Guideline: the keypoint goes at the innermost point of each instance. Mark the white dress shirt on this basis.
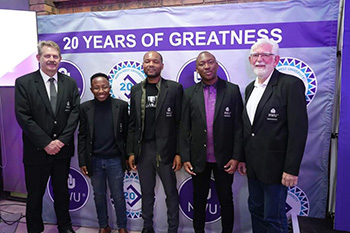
(255, 97)
(47, 82)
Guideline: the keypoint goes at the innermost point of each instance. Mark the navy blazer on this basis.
(39, 124)
(275, 142)
(86, 130)
(227, 127)
(168, 113)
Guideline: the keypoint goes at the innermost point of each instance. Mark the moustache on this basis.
(51, 63)
(259, 63)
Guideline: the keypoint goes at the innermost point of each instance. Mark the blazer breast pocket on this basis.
(169, 110)
(275, 113)
(67, 106)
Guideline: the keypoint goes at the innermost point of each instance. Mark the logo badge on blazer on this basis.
(300, 69)
(123, 76)
(272, 115)
(71, 69)
(227, 112)
(78, 188)
(213, 212)
(132, 194)
(67, 107)
(297, 202)
(188, 75)
(169, 112)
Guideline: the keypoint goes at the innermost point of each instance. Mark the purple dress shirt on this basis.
(209, 101)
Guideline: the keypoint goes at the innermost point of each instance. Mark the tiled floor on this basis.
(13, 210)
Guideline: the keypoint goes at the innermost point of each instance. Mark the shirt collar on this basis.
(264, 84)
(144, 83)
(46, 77)
(213, 85)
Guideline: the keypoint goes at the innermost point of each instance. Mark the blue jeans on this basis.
(111, 170)
(267, 206)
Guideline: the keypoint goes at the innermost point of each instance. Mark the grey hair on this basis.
(275, 47)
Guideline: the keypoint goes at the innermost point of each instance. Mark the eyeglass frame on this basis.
(264, 56)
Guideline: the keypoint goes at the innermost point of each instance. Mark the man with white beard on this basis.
(275, 130)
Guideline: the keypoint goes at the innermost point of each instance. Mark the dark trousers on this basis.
(223, 185)
(147, 168)
(267, 206)
(36, 177)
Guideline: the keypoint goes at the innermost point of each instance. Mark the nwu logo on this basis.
(123, 76)
(303, 71)
(78, 189)
(71, 182)
(132, 194)
(213, 211)
(169, 112)
(227, 112)
(69, 68)
(272, 115)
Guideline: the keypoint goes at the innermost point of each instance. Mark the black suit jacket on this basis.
(275, 142)
(39, 124)
(227, 127)
(86, 130)
(168, 113)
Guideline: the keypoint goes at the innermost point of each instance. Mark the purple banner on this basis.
(288, 35)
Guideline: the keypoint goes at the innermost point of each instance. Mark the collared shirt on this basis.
(47, 82)
(255, 97)
(209, 101)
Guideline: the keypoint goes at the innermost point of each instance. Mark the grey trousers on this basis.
(147, 168)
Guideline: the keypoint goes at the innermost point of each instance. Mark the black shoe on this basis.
(147, 230)
(68, 230)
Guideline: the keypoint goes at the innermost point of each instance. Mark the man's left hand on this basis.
(231, 166)
(289, 180)
(177, 163)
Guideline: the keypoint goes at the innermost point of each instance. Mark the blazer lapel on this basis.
(115, 114)
(162, 94)
(91, 114)
(267, 94)
(60, 93)
(249, 91)
(138, 96)
(43, 93)
(220, 93)
(199, 96)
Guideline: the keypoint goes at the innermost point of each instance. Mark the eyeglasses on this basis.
(264, 56)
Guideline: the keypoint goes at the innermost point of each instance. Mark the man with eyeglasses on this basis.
(275, 131)
(101, 149)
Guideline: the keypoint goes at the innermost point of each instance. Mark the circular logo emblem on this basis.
(132, 194)
(123, 76)
(78, 188)
(69, 68)
(213, 212)
(188, 75)
(300, 69)
(297, 202)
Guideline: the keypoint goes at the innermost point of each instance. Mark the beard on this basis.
(263, 72)
(154, 75)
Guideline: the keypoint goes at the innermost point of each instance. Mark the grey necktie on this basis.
(53, 94)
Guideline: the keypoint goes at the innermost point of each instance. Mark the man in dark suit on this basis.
(47, 109)
(155, 110)
(211, 139)
(275, 130)
(102, 149)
